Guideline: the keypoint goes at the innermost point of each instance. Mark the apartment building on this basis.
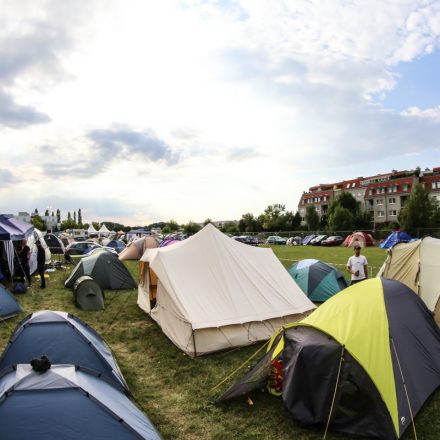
(383, 195)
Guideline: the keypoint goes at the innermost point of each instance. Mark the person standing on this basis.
(357, 266)
(41, 260)
(24, 257)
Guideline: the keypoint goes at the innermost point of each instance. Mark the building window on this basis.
(370, 192)
(353, 184)
(392, 200)
(393, 212)
(395, 188)
(381, 213)
(405, 187)
(379, 201)
(348, 185)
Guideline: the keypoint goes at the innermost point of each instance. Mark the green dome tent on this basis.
(87, 294)
(106, 269)
(318, 280)
(363, 363)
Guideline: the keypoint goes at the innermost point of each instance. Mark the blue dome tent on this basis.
(64, 339)
(8, 304)
(69, 403)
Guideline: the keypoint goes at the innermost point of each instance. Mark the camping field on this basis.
(175, 390)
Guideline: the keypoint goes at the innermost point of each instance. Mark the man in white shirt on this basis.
(357, 266)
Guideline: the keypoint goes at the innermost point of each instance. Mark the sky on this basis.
(142, 111)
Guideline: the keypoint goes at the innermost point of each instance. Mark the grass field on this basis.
(173, 389)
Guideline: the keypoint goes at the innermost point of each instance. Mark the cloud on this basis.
(17, 116)
(120, 143)
(241, 154)
(6, 177)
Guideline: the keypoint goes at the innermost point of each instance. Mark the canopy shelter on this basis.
(318, 280)
(210, 292)
(8, 304)
(394, 238)
(417, 264)
(103, 230)
(12, 229)
(64, 339)
(105, 268)
(359, 238)
(69, 403)
(137, 248)
(91, 230)
(373, 349)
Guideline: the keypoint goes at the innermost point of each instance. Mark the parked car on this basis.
(334, 240)
(276, 239)
(247, 239)
(81, 247)
(317, 240)
(117, 245)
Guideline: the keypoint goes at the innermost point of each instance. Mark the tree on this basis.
(67, 224)
(273, 218)
(69, 217)
(191, 228)
(311, 218)
(296, 221)
(248, 223)
(38, 222)
(208, 220)
(419, 211)
(79, 217)
(36, 211)
(46, 213)
(341, 219)
(74, 217)
(58, 216)
(173, 225)
(345, 200)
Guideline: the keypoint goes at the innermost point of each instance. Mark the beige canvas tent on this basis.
(137, 247)
(417, 265)
(211, 292)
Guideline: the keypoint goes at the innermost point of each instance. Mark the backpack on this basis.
(19, 288)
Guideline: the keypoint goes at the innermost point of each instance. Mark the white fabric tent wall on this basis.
(214, 292)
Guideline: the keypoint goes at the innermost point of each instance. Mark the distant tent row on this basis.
(81, 395)
(373, 350)
(210, 292)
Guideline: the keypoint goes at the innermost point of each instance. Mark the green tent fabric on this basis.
(318, 280)
(87, 294)
(106, 269)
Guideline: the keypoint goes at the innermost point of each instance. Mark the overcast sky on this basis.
(141, 111)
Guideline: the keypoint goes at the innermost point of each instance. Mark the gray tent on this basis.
(87, 294)
(105, 269)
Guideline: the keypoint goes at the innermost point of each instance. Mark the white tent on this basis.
(103, 229)
(211, 292)
(91, 230)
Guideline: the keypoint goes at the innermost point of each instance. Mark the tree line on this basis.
(420, 212)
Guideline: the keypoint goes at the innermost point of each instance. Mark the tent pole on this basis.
(406, 390)
(334, 392)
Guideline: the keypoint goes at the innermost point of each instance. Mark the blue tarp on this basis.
(394, 238)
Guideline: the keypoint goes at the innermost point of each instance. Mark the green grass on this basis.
(173, 389)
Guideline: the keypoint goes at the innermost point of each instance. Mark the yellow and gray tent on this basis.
(417, 265)
(369, 357)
